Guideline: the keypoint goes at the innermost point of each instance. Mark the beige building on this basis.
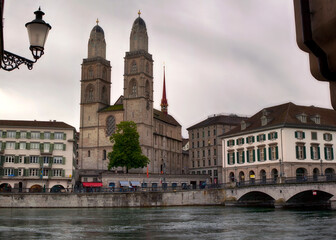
(160, 133)
(36, 155)
(287, 141)
(205, 147)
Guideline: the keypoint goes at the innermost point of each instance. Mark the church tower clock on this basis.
(138, 85)
(95, 95)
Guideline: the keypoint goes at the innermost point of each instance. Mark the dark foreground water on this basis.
(167, 223)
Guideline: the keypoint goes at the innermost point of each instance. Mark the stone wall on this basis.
(137, 199)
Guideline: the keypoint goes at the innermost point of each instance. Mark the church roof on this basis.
(35, 124)
(139, 22)
(116, 107)
(165, 117)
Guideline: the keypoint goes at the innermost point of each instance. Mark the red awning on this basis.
(92, 184)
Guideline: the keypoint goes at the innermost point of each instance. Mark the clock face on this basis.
(110, 125)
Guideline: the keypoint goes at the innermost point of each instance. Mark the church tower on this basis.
(164, 101)
(138, 86)
(95, 95)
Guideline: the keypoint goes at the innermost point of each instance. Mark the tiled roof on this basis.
(165, 118)
(287, 115)
(231, 119)
(35, 124)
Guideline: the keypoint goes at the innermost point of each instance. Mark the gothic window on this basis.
(133, 67)
(133, 88)
(90, 73)
(89, 93)
(110, 125)
(147, 89)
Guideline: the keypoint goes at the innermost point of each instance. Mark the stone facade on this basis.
(160, 134)
(37, 155)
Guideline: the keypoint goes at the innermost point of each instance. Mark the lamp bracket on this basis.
(11, 61)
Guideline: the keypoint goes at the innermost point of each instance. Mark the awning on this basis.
(124, 183)
(135, 184)
(92, 184)
(111, 184)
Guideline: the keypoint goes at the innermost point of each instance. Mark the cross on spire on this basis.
(139, 13)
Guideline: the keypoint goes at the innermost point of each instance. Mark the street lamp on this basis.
(37, 31)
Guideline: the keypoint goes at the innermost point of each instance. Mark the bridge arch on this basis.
(309, 198)
(256, 198)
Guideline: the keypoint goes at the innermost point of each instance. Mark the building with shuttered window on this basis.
(36, 155)
(286, 140)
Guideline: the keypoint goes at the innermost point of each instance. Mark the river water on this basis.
(167, 223)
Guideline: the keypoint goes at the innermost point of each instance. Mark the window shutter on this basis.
(4, 134)
(243, 156)
(3, 145)
(233, 142)
(41, 160)
(63, 173)
(237, 141)
(303, 135)
(275, 135)
(325, 153)
(25, 172)
(253, 155)
(227, 143)
(247, 156)
(28, 146)
(51, 147)
(257, 138)
(26, 160)
(318, 152)
(253, 139)
(42, 135)
(332, 153)
(304, 152)
(297, 151)
(243, 140)
(233, 157)
(17, 134)
(269, 136)
(247, 140)
(28, 135)
(311, 152)
(63, 161)
(276, 152)
(269, 153)
(265, 154)
(228, 159)
(1, 171)
(64, 136)
(258, 154)
(238, 157)
(16, 172)
(296, 134)
(16, 160)
(16, 145)
(41, 146)
(51, 135)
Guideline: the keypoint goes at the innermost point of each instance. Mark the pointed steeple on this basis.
(164, 102)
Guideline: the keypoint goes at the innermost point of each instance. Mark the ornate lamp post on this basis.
(37, 31)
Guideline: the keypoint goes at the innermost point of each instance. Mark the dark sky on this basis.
(221, 56)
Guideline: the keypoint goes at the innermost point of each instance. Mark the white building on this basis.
(288, 140)
(36, 155)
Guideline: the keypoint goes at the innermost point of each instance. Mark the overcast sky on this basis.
(221, 56)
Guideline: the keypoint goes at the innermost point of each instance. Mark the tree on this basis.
(126, 151)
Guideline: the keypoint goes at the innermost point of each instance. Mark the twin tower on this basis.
(98, 118)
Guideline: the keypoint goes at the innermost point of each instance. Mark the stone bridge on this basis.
(304, 194)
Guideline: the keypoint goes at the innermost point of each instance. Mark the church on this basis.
(160, 133)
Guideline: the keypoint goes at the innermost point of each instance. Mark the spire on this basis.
(164, 102)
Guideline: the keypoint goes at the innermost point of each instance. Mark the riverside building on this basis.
(284, 141)
(36, 155)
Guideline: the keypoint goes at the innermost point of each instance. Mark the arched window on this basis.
(134, 67)
(90, 72)
(89, 93)
(104, 154)
(110, 125)
(89, 153)
(133, 88)
(147, 89)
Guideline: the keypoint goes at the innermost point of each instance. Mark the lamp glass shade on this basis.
(38, 33)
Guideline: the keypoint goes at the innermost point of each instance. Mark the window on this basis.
(241, 156)
(9, 171)
(134, 67)
(45, 172)
(33, 159)
(328, 152)
(215, 151)
(231, 158)
(58, 135)
(203, 133)
(193, 154)
(261, 152)
(272, 136)
(198, 135)
(198, 144)
(209, 162)
(198, 163)
(193, 145)
(47, 135)
(193, 164)
(192, 136)
(250, 139)
(58, 160)
(314, 135)
(209, 152)
(20, 172)
(327, 137)
(34, 145)
(203, 153)
(250, 154)
(300, 152)
(9, 159)
(210, 172)
(33, 172)
(230, 143)
(215, 173)
(240, 141)
(22, 145)
(198, 154)
(315, 152)
(104, 154)
(214, 132)
(299, 135)
(316, 119)
(110, 125)
(46, 147)
(203, 143)
(264, 121)
(261, 137)
(302, 117)
(208, 133)
(11, 134)
(46, 160)
(57, 172)
(203, 163)
(23, 134)
(10, 145)
(89, 153)
(215, 141)
(273, 152)
(215, 161)
(35, 135)
(21, 159)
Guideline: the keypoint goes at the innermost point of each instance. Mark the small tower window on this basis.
(104, 154)
(90, 72)
(90, 94)
(133, 88)
(134, 67)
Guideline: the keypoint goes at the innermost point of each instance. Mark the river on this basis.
(167, 223)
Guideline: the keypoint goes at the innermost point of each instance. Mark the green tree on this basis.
(126, 151)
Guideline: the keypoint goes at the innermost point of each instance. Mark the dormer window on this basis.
(316, 119)
(243, 125)
(302, 117)
(263, 121)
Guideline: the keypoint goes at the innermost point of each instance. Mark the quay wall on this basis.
(127, 199)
